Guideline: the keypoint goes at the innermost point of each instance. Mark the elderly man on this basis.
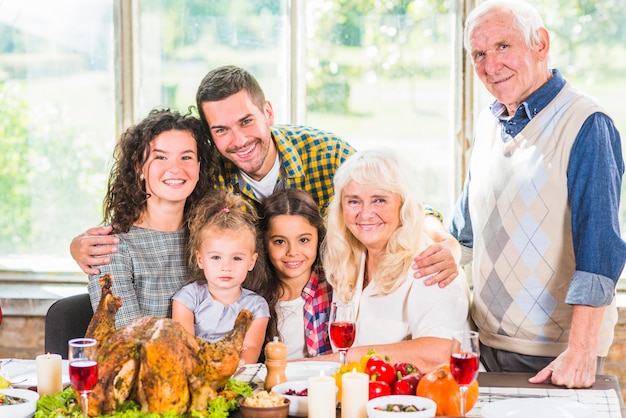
(540, 207)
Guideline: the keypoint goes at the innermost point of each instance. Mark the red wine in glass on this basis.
(464, 367)
(464, 362)
(83, 368)
(342, 327)
(342, 334)
(83, 374)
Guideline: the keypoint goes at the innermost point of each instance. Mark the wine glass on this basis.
(464, 362)
(342, 327)
(83, 368)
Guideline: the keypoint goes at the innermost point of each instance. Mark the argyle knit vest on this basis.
(521, 221)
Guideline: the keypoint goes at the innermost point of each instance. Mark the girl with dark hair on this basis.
(297, 292)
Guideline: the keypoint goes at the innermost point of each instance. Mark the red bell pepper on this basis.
(405, 368)
(382, 369)
(379, 388)
(406, 385)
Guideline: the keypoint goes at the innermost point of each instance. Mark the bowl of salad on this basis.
(18, 403)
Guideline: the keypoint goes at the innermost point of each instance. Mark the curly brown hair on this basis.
(218, 212)
(126, 196)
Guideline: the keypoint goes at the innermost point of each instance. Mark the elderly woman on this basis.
(375, 229)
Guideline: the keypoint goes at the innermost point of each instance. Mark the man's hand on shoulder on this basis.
(438, 263)
(92, 247)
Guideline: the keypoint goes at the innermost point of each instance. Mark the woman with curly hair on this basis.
(162, 166)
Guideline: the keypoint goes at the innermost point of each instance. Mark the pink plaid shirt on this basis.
(317, 295)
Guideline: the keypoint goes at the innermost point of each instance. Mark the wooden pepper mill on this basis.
(275, 362)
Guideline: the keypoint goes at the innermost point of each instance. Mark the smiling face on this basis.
(370, 214)
(508, 68)
(226, 257)
(241, 132)
(171, 170)
(291, 243)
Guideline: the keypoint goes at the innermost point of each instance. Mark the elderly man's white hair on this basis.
(525, 17)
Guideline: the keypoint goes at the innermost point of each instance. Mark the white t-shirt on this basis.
(413, 310)
(290, 318)
(264, 187)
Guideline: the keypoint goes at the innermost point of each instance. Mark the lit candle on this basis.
(49, 380)
(322, 393)
(354, 394)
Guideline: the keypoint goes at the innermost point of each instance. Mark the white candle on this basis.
(49, 380)
(354, 394)
(322, 393)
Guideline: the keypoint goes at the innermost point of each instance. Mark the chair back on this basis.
(66, 318)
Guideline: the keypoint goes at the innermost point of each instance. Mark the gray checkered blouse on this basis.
(147, 270)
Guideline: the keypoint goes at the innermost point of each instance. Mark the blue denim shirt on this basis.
(594, 179)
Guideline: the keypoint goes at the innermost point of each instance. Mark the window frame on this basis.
(125, 20)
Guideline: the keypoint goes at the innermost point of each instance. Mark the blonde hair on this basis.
(384, 169)
(216, 213)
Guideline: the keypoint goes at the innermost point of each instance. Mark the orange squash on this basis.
(440, 386)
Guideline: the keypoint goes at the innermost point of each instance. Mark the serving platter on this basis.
(23, 375)
(302, 370)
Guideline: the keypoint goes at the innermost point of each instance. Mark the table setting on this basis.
(499, 393)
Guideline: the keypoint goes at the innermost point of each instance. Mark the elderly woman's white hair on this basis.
(387, 170)
(525, 17)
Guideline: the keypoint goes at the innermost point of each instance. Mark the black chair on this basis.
(66, 318)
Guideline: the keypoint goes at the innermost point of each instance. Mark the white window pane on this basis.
(380, 75)
(178, 43)
(56, 127)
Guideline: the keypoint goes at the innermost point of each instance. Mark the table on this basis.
(493, 386)
(499, 386)
(604, 395)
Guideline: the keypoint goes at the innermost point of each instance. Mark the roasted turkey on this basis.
(156, 362)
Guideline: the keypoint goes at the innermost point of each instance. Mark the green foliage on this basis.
(15, 178)
(50, 177)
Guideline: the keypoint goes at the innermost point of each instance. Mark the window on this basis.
(57, 126)
(375, 73)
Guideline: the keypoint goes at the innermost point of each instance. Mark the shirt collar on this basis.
(535, 103)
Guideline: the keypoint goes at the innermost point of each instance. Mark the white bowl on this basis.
(21, 410)
(299, 405)
(426, 407)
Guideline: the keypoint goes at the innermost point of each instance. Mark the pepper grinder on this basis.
(275, 362)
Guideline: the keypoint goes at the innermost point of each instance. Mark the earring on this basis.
(141, 177)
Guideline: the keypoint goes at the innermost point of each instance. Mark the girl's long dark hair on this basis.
(284, 202)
